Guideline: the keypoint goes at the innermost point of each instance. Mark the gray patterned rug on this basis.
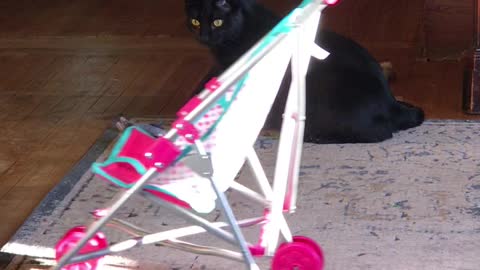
(412, 202)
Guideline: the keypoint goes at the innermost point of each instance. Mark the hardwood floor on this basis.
(67, 68)
(55, 103)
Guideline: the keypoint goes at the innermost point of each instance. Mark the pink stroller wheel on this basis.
(98, 242)
(302, 254)
(311, 243)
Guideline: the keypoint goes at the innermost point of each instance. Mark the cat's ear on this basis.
(227, 5)
(246, 5)
(223, 5)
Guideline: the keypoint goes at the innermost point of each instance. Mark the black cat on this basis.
(348, 96)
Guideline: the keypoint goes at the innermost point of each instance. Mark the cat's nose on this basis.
(203, 38)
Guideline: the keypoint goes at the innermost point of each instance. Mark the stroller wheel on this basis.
(72, 237)
(302, 254)
(311, 243)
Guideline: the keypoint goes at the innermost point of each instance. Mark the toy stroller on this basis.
(191, 167)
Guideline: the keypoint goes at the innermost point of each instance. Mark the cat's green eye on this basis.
(195, 23)
(218, 23)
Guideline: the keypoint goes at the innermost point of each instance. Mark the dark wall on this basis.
(435, 28)
(448, 27)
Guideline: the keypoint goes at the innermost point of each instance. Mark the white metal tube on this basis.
(249, 193)
(259, 174)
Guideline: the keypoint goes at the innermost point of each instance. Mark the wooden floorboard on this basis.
(55, 104)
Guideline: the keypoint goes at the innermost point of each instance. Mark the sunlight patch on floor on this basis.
(44, 256)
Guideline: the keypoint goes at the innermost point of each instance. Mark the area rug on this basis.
(412, 202)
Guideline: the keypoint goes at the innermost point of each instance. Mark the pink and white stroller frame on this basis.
(190, 168)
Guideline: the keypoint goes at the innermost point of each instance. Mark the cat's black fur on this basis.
(348, 96)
